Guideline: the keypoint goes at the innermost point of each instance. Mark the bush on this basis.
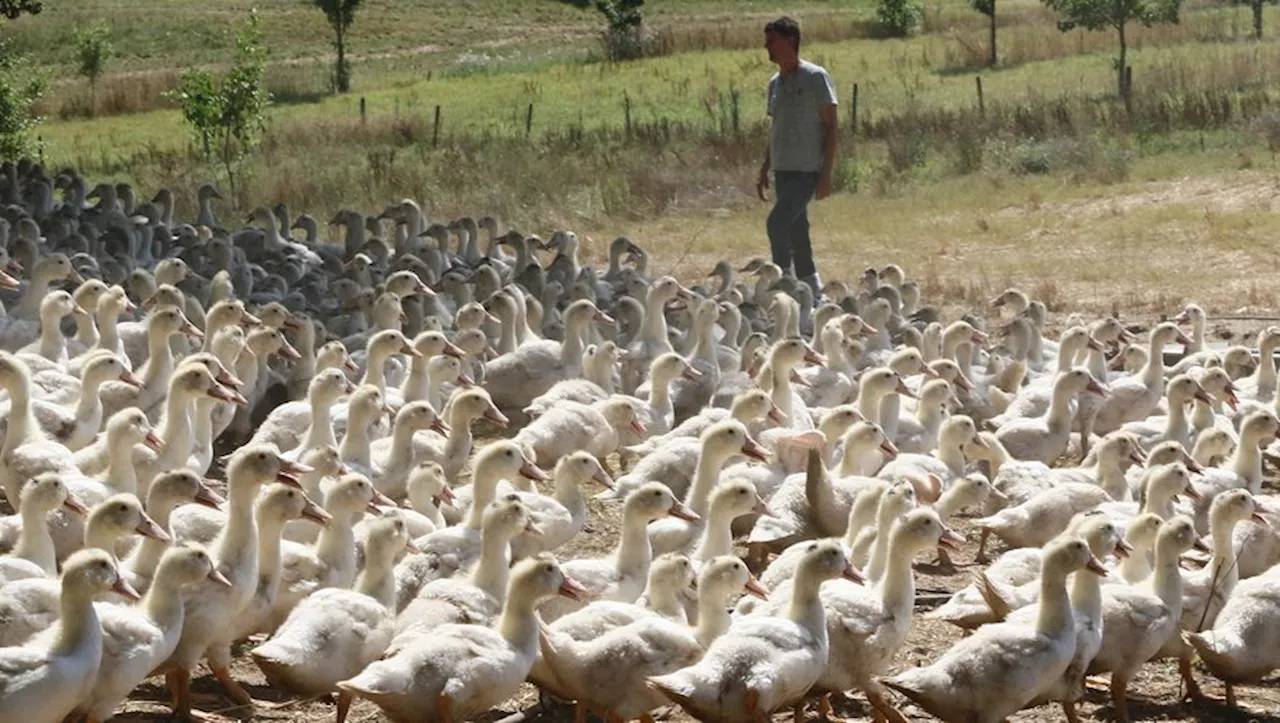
(20, 88)
(899, 18)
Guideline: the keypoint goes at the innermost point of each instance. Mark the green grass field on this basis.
(1052, 126)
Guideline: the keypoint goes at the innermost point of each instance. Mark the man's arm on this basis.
(762, 182)
(831, 134)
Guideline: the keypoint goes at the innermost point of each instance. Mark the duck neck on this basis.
(145, 558)
(484, 486)
(269, 532)
(869, 402)
(1153, 371)
(806, 605)
(1086, 595)
(34, 541)
(717, 536)
(401, 456)
(569, 494)
(374, 371)
(1111, 477)
(572, 347)
(1059, 417)
(320, 431)
(1223, 568)
(23, 426)
(378, 581)
(1202, 417)
(99, 536)
(122, 474)
(89, 406)
(898, 585)
(1159, 501)
(493, 569)
(713, 615)
(1137, 566)
(880, 550)
(1266, 374)
(1247, 462)
(519, 625)
(459, 440)
(951, 455)
(634, 553)
(30, 304)
(355, 445)
(78, 627)
(705, 476)
(163, 602)
(336, 545)
(237, 546)
(1056, 619)
(781, 394)
(108, 333)
(415, 385)
(86, 330)
(655, 324)
(660, 396)
(507, 336)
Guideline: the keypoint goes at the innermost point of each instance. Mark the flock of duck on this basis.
(780, 463)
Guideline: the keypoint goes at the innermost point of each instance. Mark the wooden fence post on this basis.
(982, 102)
(626, 112)
(435, 132)
(528, 121)
(853, 111)
(362, 110)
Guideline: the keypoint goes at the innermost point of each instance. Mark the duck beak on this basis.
(1203, 396)
(226, 378)
(1184, 339)
(534, 529)
(465, 381)
(453, 350)
(753, 450)
(149, 528)
(775, 415)
(223, 394)
(75, 505)
(123, 587)
(1191, 493)
(679, 511)
(249, 319)
(379, 501)
(638, 427)
(963, 383)
(869, 330)
(350, 365)
(446, 495)
(755, 589)
(533, 472)
(814, 357)
(314, 513)
(950, 539)
(573, 589)
(8, 282)
(889, 448)
(438, 425)
(691, 374)
(1095, 566)
(762, 508)
(1232, 400)
(852, 574)
(411, 546)
(288, 352)
(905, 391)
(127, 377)
(1257, 518)
(978, 441)
(191, 331)
(603, 477)
(292, 322)
(999, 496)
(1199, 546)
(493, 415)
(1123, 549)
(1096, 388)
(207, 497)
(410, 351)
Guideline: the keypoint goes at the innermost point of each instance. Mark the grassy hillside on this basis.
(663, 142)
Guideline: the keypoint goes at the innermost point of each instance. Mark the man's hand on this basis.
(762, 183)
(824, 187)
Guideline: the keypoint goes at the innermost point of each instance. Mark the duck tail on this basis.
(993, 597)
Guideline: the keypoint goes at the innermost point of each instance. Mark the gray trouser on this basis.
(788, 223)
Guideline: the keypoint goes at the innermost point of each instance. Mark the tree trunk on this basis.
(342, 78)
(1257, 19)
(994, 57)
(1120, 74)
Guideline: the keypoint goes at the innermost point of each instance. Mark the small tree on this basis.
(1115, 14)
(341, 13)
(1257, 6)
(899, 18)
(93, 50)
(20, 88)
(988, 8)
(624, 39)
(231, 111)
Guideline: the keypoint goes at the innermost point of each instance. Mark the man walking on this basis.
(801, 151)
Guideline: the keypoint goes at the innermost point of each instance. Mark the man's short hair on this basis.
(785, 27)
